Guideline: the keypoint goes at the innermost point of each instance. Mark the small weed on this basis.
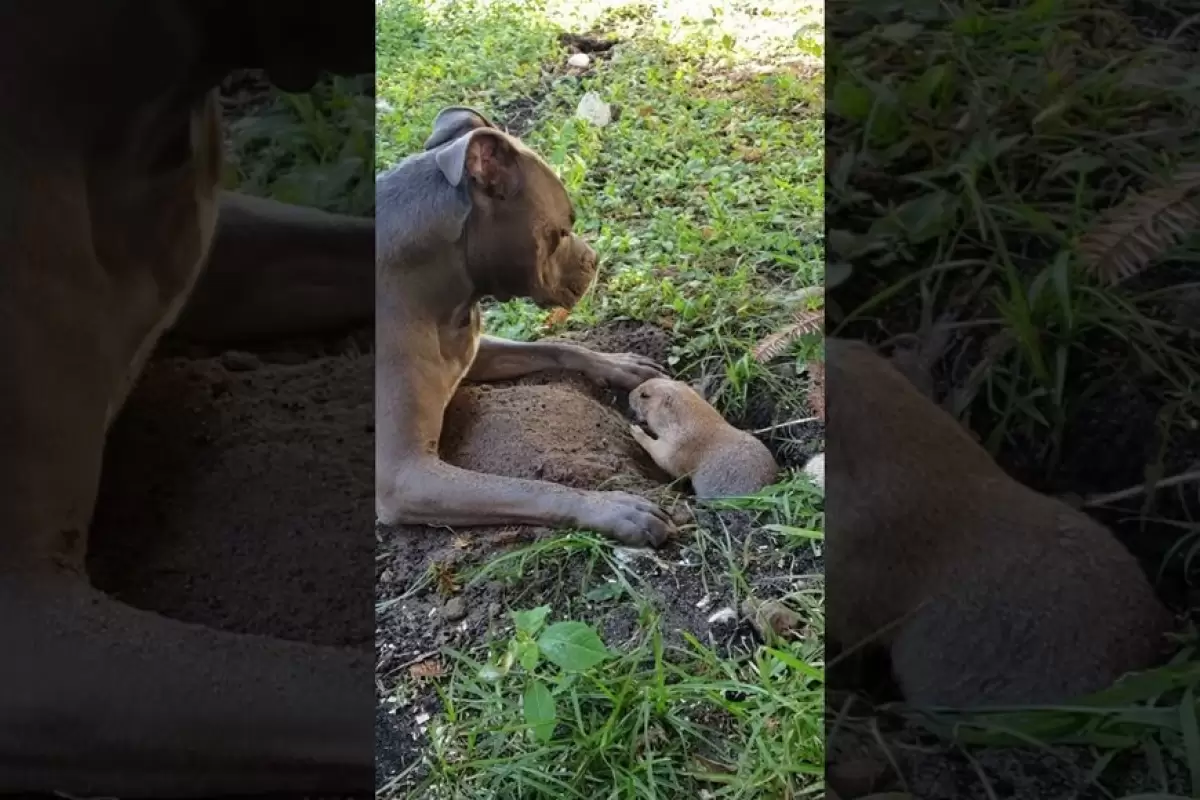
(311, 149)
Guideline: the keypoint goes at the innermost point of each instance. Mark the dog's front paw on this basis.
(624, 371)
(631, 520)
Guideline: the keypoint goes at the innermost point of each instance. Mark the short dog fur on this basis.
(113, 231)
(479, 214)
(983, 591)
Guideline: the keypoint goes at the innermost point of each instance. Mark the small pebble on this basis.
(771, 618)
(815, 470)
(454, 610)
(579, 60)
(725, 615)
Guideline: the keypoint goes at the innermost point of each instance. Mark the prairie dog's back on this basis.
(986, 591)
(695, 441)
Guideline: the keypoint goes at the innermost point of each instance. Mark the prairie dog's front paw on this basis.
(640, 436)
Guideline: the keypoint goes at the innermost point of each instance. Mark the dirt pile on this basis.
(550, 432)
(239, 494)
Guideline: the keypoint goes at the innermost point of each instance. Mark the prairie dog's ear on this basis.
(487, 157)
(453, 122)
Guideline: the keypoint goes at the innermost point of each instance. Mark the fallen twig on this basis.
(1134, 491)
(788, 424)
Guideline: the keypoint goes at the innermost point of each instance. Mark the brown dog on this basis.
(984, 591)
(109, 184)
(479, 214)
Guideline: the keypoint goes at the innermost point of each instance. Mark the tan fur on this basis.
(984, 591)
(115, 231)
(694, 441)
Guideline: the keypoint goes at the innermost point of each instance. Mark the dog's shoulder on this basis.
(416, 210)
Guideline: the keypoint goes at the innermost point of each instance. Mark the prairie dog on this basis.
(691, 439)
(984, 591)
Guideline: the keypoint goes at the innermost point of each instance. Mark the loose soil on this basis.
(556, 427)
(238, 493)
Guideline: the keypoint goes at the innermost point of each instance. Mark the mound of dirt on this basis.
(549, 432)
(239, 495)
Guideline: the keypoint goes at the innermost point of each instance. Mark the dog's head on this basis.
(519, 232)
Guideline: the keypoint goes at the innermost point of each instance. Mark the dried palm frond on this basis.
(1127, 238)
(816, 392)
(802, 322)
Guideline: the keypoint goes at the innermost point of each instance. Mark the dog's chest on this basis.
(459, 343)
(154, 223)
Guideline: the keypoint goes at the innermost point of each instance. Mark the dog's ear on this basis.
(454, 122)
(485, 156)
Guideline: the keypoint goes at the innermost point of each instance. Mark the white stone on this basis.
(594, 110)
(723, 616)
(815, 470)
(579, 60)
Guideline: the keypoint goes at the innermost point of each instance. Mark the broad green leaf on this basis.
(531, 621)
(529, 655)
(540, 714)
(572, 646)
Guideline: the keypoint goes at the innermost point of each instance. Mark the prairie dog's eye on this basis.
(644, 395)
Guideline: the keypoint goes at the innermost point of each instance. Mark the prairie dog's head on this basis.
(661, 403)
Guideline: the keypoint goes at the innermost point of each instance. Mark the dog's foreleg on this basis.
(428, 491)
(502, 359)
(278, 270)
(415, 487)
(97, 698)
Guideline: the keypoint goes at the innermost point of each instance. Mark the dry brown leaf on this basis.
(816, 393)
(506, 537)
(426, 669)
(1127, 238)
(557, 317)
(444, 579)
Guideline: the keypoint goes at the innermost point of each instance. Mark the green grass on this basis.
(647, 719)
(310, 149)
(704, 198)
(980, 157)
(646, 722)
